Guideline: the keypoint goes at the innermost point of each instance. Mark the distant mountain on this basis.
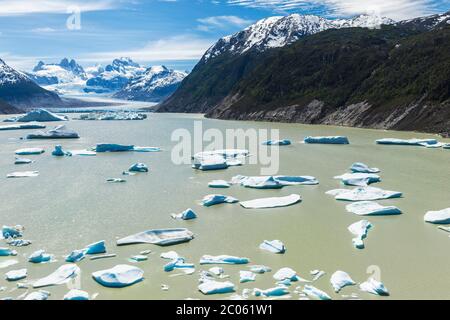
(227, 61)
(18, 90)
(115, 76)
(64, 72)
(155, 85)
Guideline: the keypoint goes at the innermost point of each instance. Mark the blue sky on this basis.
(171, 32)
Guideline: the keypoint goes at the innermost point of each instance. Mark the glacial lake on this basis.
(70, 205)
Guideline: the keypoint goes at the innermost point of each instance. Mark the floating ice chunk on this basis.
(267, 203)
(438, 217)
(116, 180)
(96, 248)
(327, 140)
(22, 127)
(6, 252)
(138, 167)
(146, 149)
(316, 293)
(113, 116)
(162, 237)
(38, 115)
(246, 276)
(76, 295)
(360, 230)
(59, 152)
(60, 132)
(218, 271)
(317, 274)
(276, 182)
(38, 296)
(374, 287)
(178, 263)
(29, 151)
(76, 256)
(16, 275)
(359, 167)
(105, 147)
(139, 258)
(219, 184)
(104, 256)
(262, 183)
(23, 174)
(165, 287)
(18, 242)
(61, 276)
(215, 162)
(275, 246)
(286, 274)
(446, 146)
(223, 259)
(83, 153)
(12, 232)
(296, 180)
(118, 277)
(358, 179)
(39, 257)
(341, 279)
(171, 255)
(370, 208)
(227, 154)
(189, 214)
(216, 287)
(19, 161)
(272, 292)
(283, 142)
(407, 142)
(214, 199)
(260, 269)
(364, 194)
(218, 160)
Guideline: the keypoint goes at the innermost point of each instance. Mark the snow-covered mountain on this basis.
(279, 31)
(115, 76)
(156, 84)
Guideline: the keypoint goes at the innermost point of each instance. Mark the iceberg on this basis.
(30, 126)
(260, 269)
(39, 115)
(40, 257)
(219, 184)
(104, 256)
(272, 292)
(161, 237)
(113, 116)
(246, 276)
(23, 174)
(38, 296)
(83, 153)
(358, 179)
(211, 163)
(364, 194)
(283, 142)
(359, 167)
(189, 214)
(76, 295)
(218, 271)
(438, 217)
(327, 140)
(297, 180)
(76, 256)
(370, 208)
(61, 276)
(12, 232)
(340, 280)
(215, 287)
(60, 132)
(179, 263)
(20, 161)
(16, 275)
(223, 259)
(139, 258)
(5, 252)
(317, 274)
(59, 152)
(219, 159)
(18, 242)
(215, 199)
(268, 203)
(171, 255)
(116, 180)
(96, 248)
(102, 148)
(146, 149)
(316, 293)
(261, 183)
(275, 246)
(119, 277)
(29, 151)
(374, 287)
(275, 182)
(138, 167)
(408, 142)
(446, 146)
(286, 274)
(360, 230)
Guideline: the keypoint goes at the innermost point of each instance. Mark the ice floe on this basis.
(374, 287)
(360, 230)
(83, 153)
(218, 271)
(76, 256)
(96, 248)
(210, 287)
(40, 256)
(12, 232)
(274, 246)
(283, 142)
(61, 276)
(59, 152)
(273, 182)
(211, 163)
(18, 242)
(16, 275)
(146, 149)
(104, 256)
(438, 217)
(118, 277)
(220, 184)
(215, 199)
(38, 296)
(370, 208)
(327, 140)
(315, 293)
(317, 274)
(189, 214)
(38, 115)
(139, 258)
(446, 146)
(29, 151)
(288, 274)
(260, 269)
(116, 180)
(76, 295)
(219, 159)
(60, 132)
(23, 174)
(19, 161)
(340, 280)
(162, 237)
(268, 203)
(272, 292)
(179, 263)
(409, 142)
(113, 116)
(364, 194)
(106, 147)
(358, 179)
(246, 276)
(359, 167)
(223, 259)
(6, 252)
(138, 167)
(29, 126)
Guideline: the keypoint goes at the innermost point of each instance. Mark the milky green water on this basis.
(70, 205)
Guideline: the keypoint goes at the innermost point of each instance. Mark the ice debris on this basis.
(60, 132)
(374, 287)
(317, 274)
(179, 263)
(138, 167)
(59, 152)
(210, 287)
(38, 296)
(341, 279)
(96, 248)
(6, 252)
(273, 182)
(12, 232)
(22, 127)
(358, 179)
(364, 194)
(327, 140)
(61, 276)
(116, 180)
(102, 148)
(76, 256)
(211, 163)
(113, 116)
(23, 174)
(220, 184)
(162, 237)
(272, 292)
(29, 151)
(283, 142)
(146, 149)
(360, 230)
(218, 271)
(76, 295)
(370, 208)
(118, 277)
(260, 269)
(214, 199)
(16, 275)
(246, 276)
(223, 259)
(139, 258)
(276, 202)
(219, 159)
(315, 293)
(40, 256)
(288, 274)
(189, 214)
(438, 217)
(274, 246)
(19, 161)
(408, 142)
(359, 167)
(38, 115)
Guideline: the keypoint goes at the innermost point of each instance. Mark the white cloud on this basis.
(222, 22)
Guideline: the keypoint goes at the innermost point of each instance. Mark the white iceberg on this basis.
(268, 203)
(109, 147)
(76, 295)
(5, 252)
(29, 151)
(96, 248)
(18, 242)
(139, 258)
(83, 153)
(360, 230)
(370, 208)
(19, 161)
(340, 280)
(374, 287)
(223, 259)
(327, 140)
(297, 180)
(273, 182)
(288, 274)
(29, 126)
(60, 132)
(215, 287)
(39, 115)
(283, 142)
(260, 269)
(275, 246)
(171, 255)
(358, 179)
(189, 214)
(118, 277)
(16, 275)
(23, 174)
(61, 276)
(316, 293)
(138, 167)
(38, 296)
(246, 276)
(218, 271)
(219, 159)
(179, 263)
(215, 199)
(438, 217)
(162, 237)
(211, 163)
(408, 142)
(76, 256)
(272, 292)
(220, 184)
(364, 194)
(359, 167)
(261, 183)
(39, 256)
